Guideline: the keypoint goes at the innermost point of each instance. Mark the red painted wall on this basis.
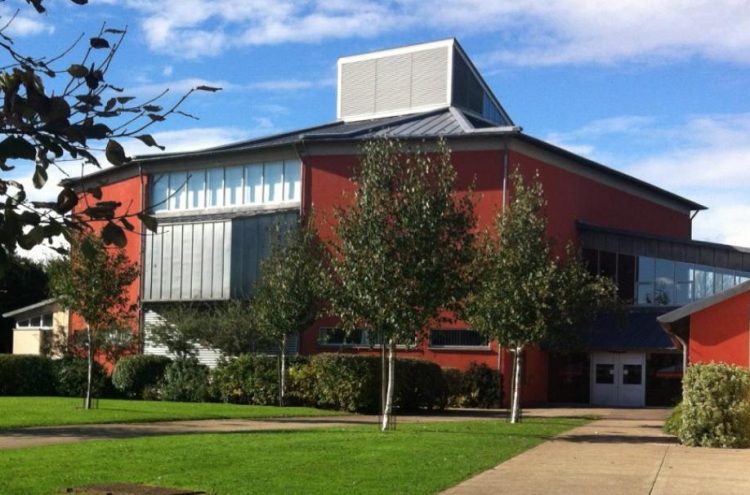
(721, 332)
(570, 197)
(128, 192)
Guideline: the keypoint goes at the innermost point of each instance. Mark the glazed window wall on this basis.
(221, 187)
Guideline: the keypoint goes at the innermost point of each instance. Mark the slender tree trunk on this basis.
(89, 378)
(391, 382)
(515, 411)
(383, 375)
(282, 377)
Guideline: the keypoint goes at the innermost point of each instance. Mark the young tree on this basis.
(522, 294)
(93, 284)
(402, 248)
(287, 297)
(55, 108)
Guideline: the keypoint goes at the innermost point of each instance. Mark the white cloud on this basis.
(181, 86)
(527, 32)
(23, 24)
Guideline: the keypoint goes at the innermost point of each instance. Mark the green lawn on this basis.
(417, 458)
(47, 411)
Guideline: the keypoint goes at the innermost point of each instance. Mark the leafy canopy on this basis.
(58, 108)
(523, 293)
(402, 248)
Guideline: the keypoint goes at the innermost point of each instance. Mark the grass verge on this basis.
(17, 412)
(417, 458)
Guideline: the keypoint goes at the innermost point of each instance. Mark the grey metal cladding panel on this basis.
(207, 261)
(664, 250)
(393, 83)
(721, 258)
(227, 260)
(611, 243)
(217, 270)
(430, 77)
(358, 87)
(196, 283)
(188, 233)
(706, 256)
(166, 263)
(177, 250)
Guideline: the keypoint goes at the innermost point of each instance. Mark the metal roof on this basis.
(31, 307)
(451, 122)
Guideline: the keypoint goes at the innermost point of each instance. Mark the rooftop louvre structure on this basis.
(216, 208)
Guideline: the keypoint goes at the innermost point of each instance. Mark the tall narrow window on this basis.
(178, 190)
(197, 189)
(233, 184)
(160, 192)
(215, 187)
(273, 185)
(253, 184)
(292, 183)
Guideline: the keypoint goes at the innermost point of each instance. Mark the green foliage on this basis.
(401, 250)
(93, 283)
(72, 374)
(56, 106)
(133, 375)
(522, 293)
(349, 382)
(26, 375)
(287, 297)
(185, 380)
(674, 422)
(247, 379)
(716, 406)
(180, 330)
(478, 386)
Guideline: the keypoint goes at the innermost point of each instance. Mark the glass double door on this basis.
(618, 379)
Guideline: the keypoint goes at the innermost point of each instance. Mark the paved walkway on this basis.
(624, 453)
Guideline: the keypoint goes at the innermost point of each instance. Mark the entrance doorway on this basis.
(618, 379)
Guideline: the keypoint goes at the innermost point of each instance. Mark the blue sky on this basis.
(656, 89)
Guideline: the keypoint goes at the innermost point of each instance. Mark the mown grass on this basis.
(416, 458)
(16, 412)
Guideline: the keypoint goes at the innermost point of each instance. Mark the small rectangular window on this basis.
(632, 374)
(215, 187)
(233, 184)
(197, 189)
(47, 320)
(273, 182)
(605, 374)
(253, 184)
(457, 338)
(160, 192)
(292, 183)
(178, 190)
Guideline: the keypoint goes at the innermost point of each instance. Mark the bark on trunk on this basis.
(89, 377)
(515, 412)
(391, 382)
(282, 378)
(383, 375)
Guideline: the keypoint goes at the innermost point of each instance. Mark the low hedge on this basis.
(716, 406)
(352, 383)
(185, 380)
(72, 377)
(247, 379)
(22, 374)
(478, 386)
(138, 375)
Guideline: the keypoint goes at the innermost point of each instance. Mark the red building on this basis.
(214, 208)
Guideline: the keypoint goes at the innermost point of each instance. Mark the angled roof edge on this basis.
(700, 305)
(609, 170)
(584, 225)
(460, 50)
(358, 131)
(30, 307)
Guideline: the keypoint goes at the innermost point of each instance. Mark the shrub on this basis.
(247, 379)
(72, 376)
(716, 406)
(26, 375)
(478, 386)
(134, 374)
(352, 383)
(674, 421)
(185, 380)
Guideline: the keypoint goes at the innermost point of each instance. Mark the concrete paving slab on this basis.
(625, 453)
